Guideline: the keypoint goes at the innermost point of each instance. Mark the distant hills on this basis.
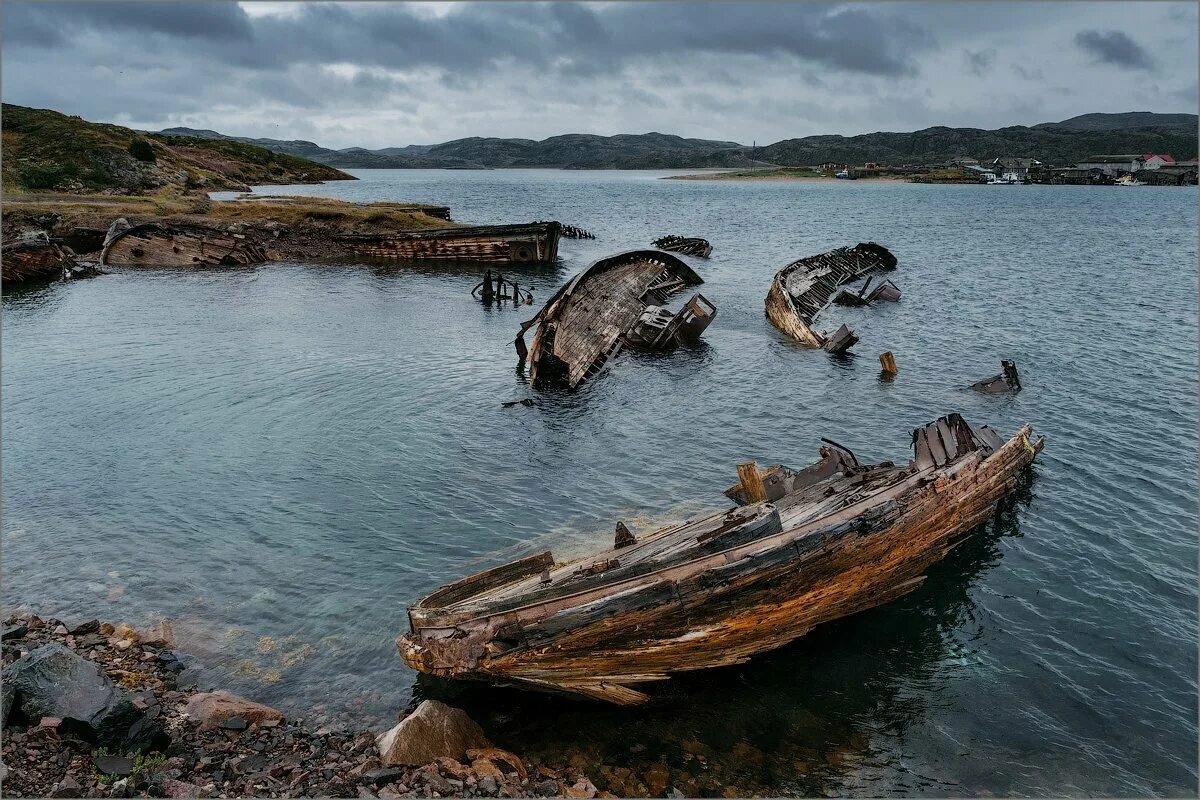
(46, 150)
(1052, 142)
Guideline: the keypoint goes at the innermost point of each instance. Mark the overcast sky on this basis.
(389, 74)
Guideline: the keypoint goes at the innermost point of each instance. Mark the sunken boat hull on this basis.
(803, 288)
(157, 244)
(604, 308)
(534, 243)
(718, 590)
(33, 260)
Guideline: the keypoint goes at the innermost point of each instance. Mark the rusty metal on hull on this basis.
(157, 244)
(531, 243)
(585, 323)
(33, 259)
(803, 288)
(816, 544)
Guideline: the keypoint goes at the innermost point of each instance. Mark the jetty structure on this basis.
(617, 301)
(530, 243)
(802, 289)
(801, 547)
(175, 244)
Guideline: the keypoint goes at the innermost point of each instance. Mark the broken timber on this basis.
(1008, 381)
(531, 243)
(691, 246)
(160, 244)
(616, 301)
(803, 288)
(489, 291)
(806, 547)
(34, 258)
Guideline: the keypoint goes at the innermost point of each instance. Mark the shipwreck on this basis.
(531, 243)
(802, 289)
(618, 301)
(34, 258)
(161, 244)
(688, 245)
(802, 547)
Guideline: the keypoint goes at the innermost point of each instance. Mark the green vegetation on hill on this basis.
(1051, 142)
(47, 151)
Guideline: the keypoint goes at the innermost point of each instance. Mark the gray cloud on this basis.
(1114, 47)
(385, 74)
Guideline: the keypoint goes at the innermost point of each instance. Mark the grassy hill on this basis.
(44, 150)
(937, 145)
(1129, 119)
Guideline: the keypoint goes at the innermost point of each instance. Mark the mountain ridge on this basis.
(1063, 142)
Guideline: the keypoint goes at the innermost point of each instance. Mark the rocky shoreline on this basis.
(97, 710)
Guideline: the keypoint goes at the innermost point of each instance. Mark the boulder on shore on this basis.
(211, 709)
(435, 730)
(54, 681)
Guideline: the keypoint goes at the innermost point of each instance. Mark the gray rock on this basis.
(433, 731)
(546, 788)
(67, 787)
(235, 724)
(377, 777)
(113, 765)
(14, 632)
(53, 681)
(91, 626)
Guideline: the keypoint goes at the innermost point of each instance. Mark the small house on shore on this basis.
(1156, 160)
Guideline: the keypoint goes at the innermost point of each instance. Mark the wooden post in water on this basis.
(888, 362)
(487, 286)
(752, 482)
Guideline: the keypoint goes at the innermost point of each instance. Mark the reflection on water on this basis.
(283, 458)
(809, 719)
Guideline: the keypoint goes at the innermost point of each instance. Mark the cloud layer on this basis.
(389, 74)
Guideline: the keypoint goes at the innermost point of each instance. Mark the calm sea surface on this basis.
(280, 459)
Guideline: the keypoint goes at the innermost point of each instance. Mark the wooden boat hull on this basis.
(26, 262)
(582, 326)
(176, 245)
(725, 606)
(803, 288)
(535, 243)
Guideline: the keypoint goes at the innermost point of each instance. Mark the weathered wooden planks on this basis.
(582, 326)
(721, 588)
(803, 288)
(532, 243)
(32, 260)
(157, 244)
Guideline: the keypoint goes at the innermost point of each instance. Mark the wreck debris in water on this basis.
(616, 301)
(34, 258)
(804, 288)
(161, 244)
(531, 243)
(690, 246)
(488, 290)
(1008, 381)
(572, 231)
(802, 548)
(886, 291)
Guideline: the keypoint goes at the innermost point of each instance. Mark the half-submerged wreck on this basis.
(161, 244)
(688, 245)
(803, 547)
(34, 258)
(803, 288)
(617, 301)
(531, 243)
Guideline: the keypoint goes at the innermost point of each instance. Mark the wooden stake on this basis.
(752, 482)
(888, 362)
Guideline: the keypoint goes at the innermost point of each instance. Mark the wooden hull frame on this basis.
(157, 244)
(724, 607)
(793, 312)
(532, 243)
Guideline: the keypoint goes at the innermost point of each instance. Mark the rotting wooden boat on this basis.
(33, 258)
(160, 244)
(590, 319)
(803, 547)
(803, 288)
(688, 245)
(531, 243)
